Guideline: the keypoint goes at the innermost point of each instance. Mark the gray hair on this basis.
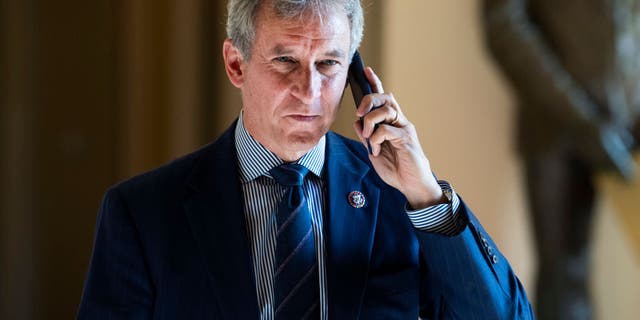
(241, 19)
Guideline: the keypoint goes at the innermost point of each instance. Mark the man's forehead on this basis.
(330, 24)
(285, 35)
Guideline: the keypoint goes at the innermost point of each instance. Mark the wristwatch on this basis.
(447, 190)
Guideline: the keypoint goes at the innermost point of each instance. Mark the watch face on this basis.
(448, 194)
(447, 190)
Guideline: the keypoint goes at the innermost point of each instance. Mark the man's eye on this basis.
(284, 59)
(329, 66)
(329, 62)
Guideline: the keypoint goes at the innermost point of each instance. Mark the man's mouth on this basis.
(304, 118)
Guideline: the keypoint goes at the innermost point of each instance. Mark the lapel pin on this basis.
(356, 199)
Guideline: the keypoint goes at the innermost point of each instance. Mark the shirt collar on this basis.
(255, 160)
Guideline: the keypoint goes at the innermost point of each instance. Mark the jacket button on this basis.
(494, 259)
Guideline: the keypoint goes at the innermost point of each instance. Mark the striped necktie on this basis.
(296, 286)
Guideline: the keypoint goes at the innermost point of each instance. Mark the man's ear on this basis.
(233, 61)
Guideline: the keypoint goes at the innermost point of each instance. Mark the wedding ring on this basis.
(395, 120)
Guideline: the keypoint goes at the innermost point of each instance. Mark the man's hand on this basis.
(397, 155)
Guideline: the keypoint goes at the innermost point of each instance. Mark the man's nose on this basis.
(307, 85)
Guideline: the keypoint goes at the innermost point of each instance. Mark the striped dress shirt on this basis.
(262, 195)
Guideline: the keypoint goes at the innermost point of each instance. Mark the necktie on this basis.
(296, 287)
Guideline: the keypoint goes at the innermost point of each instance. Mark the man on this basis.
(210, 235)
(575, 67)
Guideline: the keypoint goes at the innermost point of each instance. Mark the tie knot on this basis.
(289, 174)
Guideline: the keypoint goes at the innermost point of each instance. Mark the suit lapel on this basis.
(349, 231)
(215, 212)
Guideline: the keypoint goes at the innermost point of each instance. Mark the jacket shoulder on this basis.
(172, 177)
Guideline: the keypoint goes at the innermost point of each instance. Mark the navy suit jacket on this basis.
(172, 244)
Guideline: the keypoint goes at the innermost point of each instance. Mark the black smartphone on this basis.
(358, 83)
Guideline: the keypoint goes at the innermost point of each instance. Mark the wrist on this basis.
(431, 195)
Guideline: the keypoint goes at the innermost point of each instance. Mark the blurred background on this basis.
(93, 92)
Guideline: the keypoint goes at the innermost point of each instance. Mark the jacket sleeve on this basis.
(117, 284)
(465, 276)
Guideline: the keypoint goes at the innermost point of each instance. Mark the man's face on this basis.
(293, 83)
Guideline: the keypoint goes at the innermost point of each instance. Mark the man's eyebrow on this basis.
(336, 53)
(283, 50)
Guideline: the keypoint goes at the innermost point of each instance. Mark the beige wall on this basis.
(617, 250)
(433, 60)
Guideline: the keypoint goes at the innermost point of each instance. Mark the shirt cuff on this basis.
(439, 218)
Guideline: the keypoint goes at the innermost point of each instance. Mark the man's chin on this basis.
(303, 141)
